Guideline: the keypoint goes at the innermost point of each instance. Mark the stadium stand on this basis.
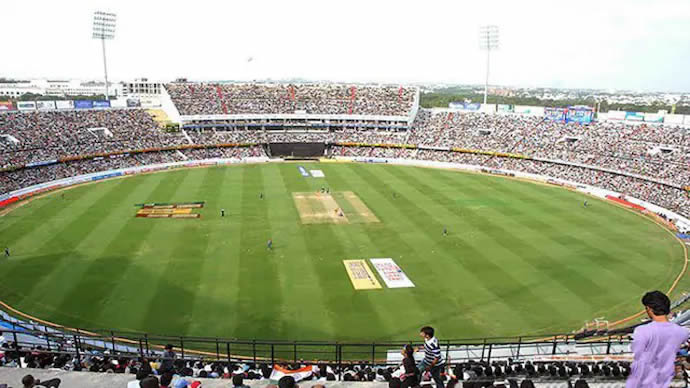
(648, 162)
(208, 99)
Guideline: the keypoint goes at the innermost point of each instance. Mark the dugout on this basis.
(299, 150)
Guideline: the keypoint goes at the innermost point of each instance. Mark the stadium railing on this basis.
(134, 345)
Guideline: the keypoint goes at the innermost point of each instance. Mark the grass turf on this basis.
(519, 258)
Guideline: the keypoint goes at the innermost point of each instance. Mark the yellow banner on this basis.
(360, 274)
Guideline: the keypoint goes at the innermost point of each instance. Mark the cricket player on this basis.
(586, 203)
(222, 212)
(261, 195)
(7, 252)
(445, 231)
(269, 245)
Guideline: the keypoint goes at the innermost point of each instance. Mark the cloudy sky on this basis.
(625, 44)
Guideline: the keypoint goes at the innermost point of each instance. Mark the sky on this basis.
(601, 44)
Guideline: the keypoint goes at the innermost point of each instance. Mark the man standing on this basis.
(168, 363)
(433, 358)
(269, 244)
(222, 212)
(655, 345)
(7, 252)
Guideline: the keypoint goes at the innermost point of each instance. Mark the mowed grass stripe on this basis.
(326, 252)
(592, 217)
(24, 216)
(383, 240)
(105, 271)
(92, 223)
(506, 289)
(215, 267)
(224, 243)
(520, 294)
(304, 312)
(596, 266)
(38, 285)
(594, 232)
(617, 241)
(259, 304)
(504, 221)
(39, 219)
(458, 291)
(432, 266)
(184, 253)
(557, 219)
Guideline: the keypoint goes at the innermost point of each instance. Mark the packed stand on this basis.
(207, 99)
(25, 177)
(633, 149)
(53, 135)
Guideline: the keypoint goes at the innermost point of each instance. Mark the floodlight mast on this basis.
(488, 40)
(104, 29)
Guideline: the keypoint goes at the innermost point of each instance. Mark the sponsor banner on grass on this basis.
(297, 374)
(360, 274)
(317, 173)
(392, 275)
(67, 104)
(303, 171)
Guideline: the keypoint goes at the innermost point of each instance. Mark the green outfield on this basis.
(519, 257)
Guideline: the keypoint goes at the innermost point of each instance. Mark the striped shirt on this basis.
(432, 352)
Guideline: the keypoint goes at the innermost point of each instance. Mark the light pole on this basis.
(488, 40)
(104, 29)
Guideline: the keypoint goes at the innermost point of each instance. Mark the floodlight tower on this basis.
(104, 29)
(488, 40)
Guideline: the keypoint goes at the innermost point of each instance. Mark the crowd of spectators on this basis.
(207, 99)
(172, 371)
(39, 136)
(662, 152)
(650, 162)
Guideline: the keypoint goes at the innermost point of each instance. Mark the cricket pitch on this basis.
(339, 208)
